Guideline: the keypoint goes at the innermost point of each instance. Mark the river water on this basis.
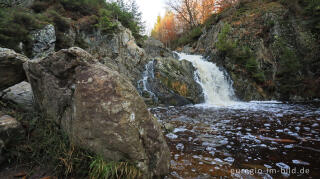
(225, 138)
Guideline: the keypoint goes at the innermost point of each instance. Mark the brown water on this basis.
(265, 140)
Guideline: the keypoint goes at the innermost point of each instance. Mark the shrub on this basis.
(188, 37)
(15, 27)
(211, 20)
(251, 65)
(40, 6)
(259, 77)
(126, 18)
(224, 44)
(61, 23)
(105, 24)
(84, 7)
(289, 68)
(195, 33)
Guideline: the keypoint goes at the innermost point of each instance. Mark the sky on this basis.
(150, 10)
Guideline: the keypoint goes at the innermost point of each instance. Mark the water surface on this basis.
(265, 139)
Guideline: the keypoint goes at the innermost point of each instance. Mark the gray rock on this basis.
(170, 82)
(188, 50)
(11, 70)
(21, 95)
(99, 109)
(155, 48)
(43, 41)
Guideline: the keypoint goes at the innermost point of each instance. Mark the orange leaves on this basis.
(182, 89)
(165, 28)
(185, 15)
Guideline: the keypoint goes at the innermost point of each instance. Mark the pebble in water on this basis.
(282, 165)
(180, 146)
(172, 136)
(299, 162)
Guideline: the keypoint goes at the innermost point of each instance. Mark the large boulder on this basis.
(168, 81)
(99, 109)
(43, 41)
(11, 69)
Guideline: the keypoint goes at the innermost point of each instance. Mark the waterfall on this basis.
(143, 85)
(216, 87)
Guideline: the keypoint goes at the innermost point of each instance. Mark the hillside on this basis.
(269, 48)
(69, 17)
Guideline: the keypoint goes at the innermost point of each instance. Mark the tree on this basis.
(186, 11)
(134, 9)
(207, 8)
(165, 28)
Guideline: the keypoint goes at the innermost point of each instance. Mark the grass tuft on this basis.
(100, 169)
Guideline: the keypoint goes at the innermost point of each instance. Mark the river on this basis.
(226, 138)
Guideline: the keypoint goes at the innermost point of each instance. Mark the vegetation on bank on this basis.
(45, 145)
(87, 15)
(309, 10)
(248, 46)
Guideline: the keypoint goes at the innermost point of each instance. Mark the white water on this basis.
(143, 84)
(216, 88)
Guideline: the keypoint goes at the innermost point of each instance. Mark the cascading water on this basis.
(143, 84)
(216, 87)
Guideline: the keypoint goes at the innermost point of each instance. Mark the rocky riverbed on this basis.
(265, 139)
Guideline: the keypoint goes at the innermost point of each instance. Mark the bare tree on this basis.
(186, 11)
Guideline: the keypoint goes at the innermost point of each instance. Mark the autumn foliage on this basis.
(185, 15)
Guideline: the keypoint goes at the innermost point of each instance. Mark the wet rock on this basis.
(11, 70)
(169, 127)
(10, 129)
(155, 48)
(21, 95)
(188, 50)
(43, 41)
(171, 82)
(99, 109)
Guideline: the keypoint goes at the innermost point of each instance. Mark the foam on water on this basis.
(216, 87)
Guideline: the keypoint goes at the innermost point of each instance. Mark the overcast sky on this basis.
(150, 10)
